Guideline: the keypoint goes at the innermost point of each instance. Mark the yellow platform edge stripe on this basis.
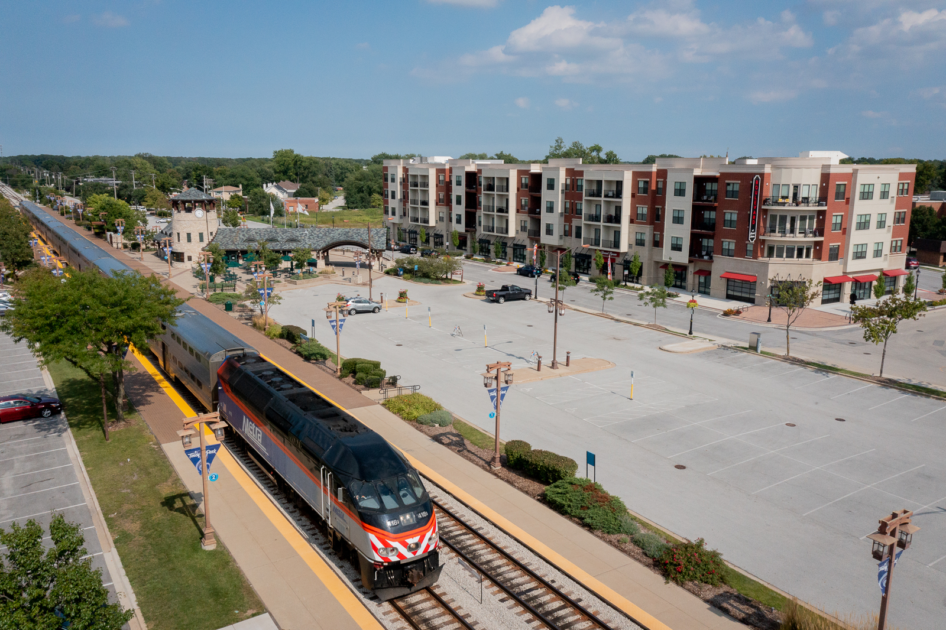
(612, 596)
(313, 560)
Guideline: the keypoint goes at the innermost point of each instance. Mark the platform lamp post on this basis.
(916, 287)
(336, 306)
(556, 307)
(692, 305)
(166, 248)
(498, 374)
(193, 425)
(205, 259)
(140, 232)
(120, 228)
(895, 530)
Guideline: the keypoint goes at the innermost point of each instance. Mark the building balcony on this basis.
(415, 219)
(502, 209)
(534, 233)
(489, 229)
(595, 192)
(535, 212)
(489, 208)
(701, 254)
(502, 188)
(704, 226)
(592, 218)
(424, 202)
(613, 194)
(614, 219)
(601, 243)
(804, 202)
(807, 235)
(704, 199)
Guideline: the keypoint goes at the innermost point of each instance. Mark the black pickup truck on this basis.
(508, 292)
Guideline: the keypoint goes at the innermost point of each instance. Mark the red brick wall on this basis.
(835, 207)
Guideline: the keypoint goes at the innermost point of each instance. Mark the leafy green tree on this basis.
(793, 297)
(879, 289)
(301, 256)
(361, 184)
(155, 199)
(108, 209)
(943, 281)
(599, 260)
(909, 285)
(423, 235)
(269, 257)
(251, 294)
(15, 250)
(46, 589)
(474, 156)
(90, 319)
(925, 176)
(307, 190)
(604, 289)
(542, 257)
(497, 249)
(925, 223)
(880, 321)
(669, 276)
(258, 201)
(652, 159)
(235, 202)
(325, 197)
(231, 218)
(567, 261)
(636, 265)
(475, 247)
(376, 200)
(218, 264)
(455, 239)
(507, 158)
(655, 297)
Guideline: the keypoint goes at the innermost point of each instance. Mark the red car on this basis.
(22, 407)
(912, 263)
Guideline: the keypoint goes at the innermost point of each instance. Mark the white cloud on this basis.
(907, 39)
(110, 20)
(929, 92)
(772, 96)
(493, 56)
(557, 29)
(522, 102)
(476, 4)
(830, 17)
(566, 104)
(872, 114)
(363, 46)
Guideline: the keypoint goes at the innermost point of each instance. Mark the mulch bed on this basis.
(722, 597)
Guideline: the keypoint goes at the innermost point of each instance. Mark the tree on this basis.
(301, 256)
(542, 257)
(361, 184)
(474, 156)
(231, 218)
(258, 201)
(497, 249)
(655, 297)
(252, 294)
(423, 235)
(155, 199)
(376, 201)
(109, 209)
(881, 320)
(267, 256)
(455, 239)
(604, 289)
(235, 202)
(325, 197)
(567, 260)
(943, 281)
(669, 276)
(507, 158)
(90, 320)
(793, 297)
(636, 265)
(218, 264)
(652, 159)
(15, 250)
(879, 289)
(44, 588)
(909, 285)
(475, 247)
(599, 260)
(307, 190)
(925, 175)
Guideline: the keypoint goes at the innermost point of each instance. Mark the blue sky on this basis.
(444, 77)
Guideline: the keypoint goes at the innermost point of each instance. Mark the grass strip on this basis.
(477, 437)
(756, 591)
(152, 519)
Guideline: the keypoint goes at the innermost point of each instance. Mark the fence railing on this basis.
(401, 390)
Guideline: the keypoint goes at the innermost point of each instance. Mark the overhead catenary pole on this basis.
(114, 184)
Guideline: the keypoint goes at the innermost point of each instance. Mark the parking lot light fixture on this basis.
(895, 530)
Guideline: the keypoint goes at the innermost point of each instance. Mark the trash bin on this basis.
(213, 278)
(228, 306)
(755, 341)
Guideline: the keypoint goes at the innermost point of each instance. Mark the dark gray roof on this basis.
(192, 194)
(246, 239)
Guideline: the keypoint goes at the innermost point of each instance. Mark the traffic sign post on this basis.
(590, 461)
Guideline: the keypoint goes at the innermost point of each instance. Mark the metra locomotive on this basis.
(370, 498)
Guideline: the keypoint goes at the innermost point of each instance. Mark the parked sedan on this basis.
(912, 263)
(529, 271)
(573, 274)
(362, 305)
(429, 253)
(22, 407)
(408, 249)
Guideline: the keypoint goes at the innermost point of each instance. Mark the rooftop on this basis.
(278, 239)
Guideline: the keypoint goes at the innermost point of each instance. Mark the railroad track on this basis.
(427, 610)
(549, 605)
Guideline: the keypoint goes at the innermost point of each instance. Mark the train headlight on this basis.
(387, 552)
(434, 539)
(413, 546)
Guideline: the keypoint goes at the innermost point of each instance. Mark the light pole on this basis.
(692, 306)
(893, 531)
(140, 232)
(557, 307)
(166, 247)
(501, 369)
(208, 542)
(120, 228)
(916, 287)
(205, 259)
(335, 306)
(264, 292)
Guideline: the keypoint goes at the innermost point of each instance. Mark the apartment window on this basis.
(678, 217)
(656, 240)
(642, 213)
(657, 214)
(860, 251)
(579, 184)
(568, 183)
(676, 243)
(480, 181)
(640, 239)
(732, 190)
(440, 198)
(896, 246)
(679, 189)
(459, 200)
(550, 229)
(567, 230)
(440, 216)
(903, 189)
(565, 209)
(660, 187)
(523, 226)
(863, 222)
(188, 237)
(885, 191)
(729, 220)
(643, 186)
(385, 211)
(748, 250)
(550, 183)
(178, 237)
(550, 206)
(577, 231)
(729, 248)
(479, 201)
(578, 206)
(833, 252)
(867, 192)
(459, 180)
(840, 190)
(836, 220)
(459, 219)
(899, 218)
(878, 250)
(200, 237)
(881, 220)
(523, 205)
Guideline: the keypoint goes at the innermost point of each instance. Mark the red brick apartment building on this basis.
(726, 228)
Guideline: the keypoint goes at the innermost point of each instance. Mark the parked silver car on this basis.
(362, 305)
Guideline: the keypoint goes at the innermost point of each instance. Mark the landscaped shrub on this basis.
(312, 350)
(350, 366)
(516, 451)
(292, 334)
(441, 418)
(364, 368)
(651, 544)
(692, 562)
(629, 526)
(480, 289)
(588, 502)
(402, 296)
(549, 467)
(259, 324)
(274, 331)
(411, 406)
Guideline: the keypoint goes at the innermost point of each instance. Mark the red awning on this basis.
(838, 279)
(738, 276)
(867, 278)
(701, 272)
(891, 273)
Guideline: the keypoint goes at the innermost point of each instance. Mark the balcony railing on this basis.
(706, 226)
(535, 190)
(534, 233)
(804, 202)
(705, 254)
(502, 209)
(501, 188)
(415, 219)
(795, 234)
(471, 185)
(591, 241)
(424, 202)
(704, 199)
(535, 212)
(613, 219)
(613, 194)
(415, 202)
(489, 208)
(489, 188)
(609, 243)
(489, 228)
(593, 192)
(592, 218)
(414, 185)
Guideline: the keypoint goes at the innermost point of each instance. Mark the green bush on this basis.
(588, 502)
(629, 526)
(364, 368)
(292, 334)
(350, 366)
(651, 544)
(372, 382)
(549, 467)
(692, 562)
(441, 418)
(516, 451)
(274, 331)
(312, 350)
(411, 406)
(220, 298)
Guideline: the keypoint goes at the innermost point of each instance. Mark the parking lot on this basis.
(39, 466)
(787, 469)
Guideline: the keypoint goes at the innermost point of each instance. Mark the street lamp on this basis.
(120, 228)
(916, 287)
(166, 247)
(557, 307)
(503, 370)
(140, 237)
(335, 306)
(191, 426)
(692, 306)
(893, 531)
(205, 258)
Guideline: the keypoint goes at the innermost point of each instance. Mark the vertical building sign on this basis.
(756, 203)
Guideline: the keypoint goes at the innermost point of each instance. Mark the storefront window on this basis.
(703, 285)
(740, 290)
(831, 293)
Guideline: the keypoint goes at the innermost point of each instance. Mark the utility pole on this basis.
(133, 186)
(152, 180)
(556, 306)
(166, 246)
(205, 258)
(120, 228)
(114, 184)
(140, 237)
(370, 263)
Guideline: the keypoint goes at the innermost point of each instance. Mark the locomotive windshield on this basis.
(388, 494)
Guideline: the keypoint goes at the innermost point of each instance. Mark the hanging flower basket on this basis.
(480, 289)
(402, 296)
(341, 298)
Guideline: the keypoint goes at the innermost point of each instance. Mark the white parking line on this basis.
(34, 472)
(934, 561)
(813, 469)
(14, 496)
(851, 392)
(782, 373)
(888, 402)
(864, 488)
(731, 437)
(692, 425)
(768, 453)
(41, 437)
(815, 383)
(33, 454)
(928, 414)
(17, 380)
(68, 507)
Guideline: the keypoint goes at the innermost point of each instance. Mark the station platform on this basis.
(298, 588)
